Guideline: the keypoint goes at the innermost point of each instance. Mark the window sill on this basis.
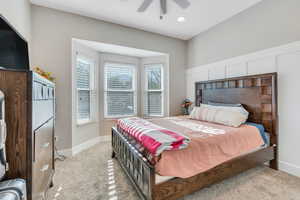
(118, 117)
(153, 116)
(85, 122)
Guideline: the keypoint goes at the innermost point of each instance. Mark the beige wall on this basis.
(268, 24)
(52, 33)
(17, 12)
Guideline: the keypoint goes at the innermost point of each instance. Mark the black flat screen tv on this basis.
(13, 48)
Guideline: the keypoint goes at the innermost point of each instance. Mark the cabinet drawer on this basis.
(43, 158)
(41, 177)
(42, 111)
(43, 141)
(42, 91)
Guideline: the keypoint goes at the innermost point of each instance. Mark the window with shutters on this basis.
(154, 90)
(120, 90)
(85, 89)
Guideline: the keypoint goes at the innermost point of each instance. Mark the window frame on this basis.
(162, 90)
(92, 89)
(134, 89)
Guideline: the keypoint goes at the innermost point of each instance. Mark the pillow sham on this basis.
(224, 104)
(243, 110)
(229, 116)
(240, 109)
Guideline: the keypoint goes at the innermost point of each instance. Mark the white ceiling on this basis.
(200, 16)
(116, 49)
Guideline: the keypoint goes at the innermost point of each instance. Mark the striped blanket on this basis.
(154, 138)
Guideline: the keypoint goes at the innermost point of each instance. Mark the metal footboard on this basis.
(140, 172)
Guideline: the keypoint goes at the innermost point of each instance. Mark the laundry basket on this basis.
(13, 190)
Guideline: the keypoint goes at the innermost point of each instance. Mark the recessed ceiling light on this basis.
(181, 19)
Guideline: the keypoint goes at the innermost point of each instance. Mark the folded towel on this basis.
(154, 138)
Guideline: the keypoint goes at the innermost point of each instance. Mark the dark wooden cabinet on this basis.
(30, 117)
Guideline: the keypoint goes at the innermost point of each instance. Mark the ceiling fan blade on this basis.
(182, 3)
(163, 5)
(145, 5)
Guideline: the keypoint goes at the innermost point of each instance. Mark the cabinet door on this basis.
(43, 159)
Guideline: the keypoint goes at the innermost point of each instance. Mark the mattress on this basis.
(161, 179)
(211, 144)
(265, 135)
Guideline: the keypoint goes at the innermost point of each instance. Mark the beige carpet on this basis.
(85, 177)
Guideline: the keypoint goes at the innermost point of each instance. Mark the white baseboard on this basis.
(65, 152)
(83, 146)
(289, 168)
(86, 145)
(106, 138)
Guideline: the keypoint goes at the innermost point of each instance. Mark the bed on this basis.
(258, 94)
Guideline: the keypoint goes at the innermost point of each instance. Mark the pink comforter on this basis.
(211, 144)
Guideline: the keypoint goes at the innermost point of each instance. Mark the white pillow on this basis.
(229, 116)
(240, 109)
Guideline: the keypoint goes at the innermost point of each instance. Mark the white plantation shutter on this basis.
(153, 105)
(83, 74)
(120, 103)
(119, 77)
(83, 104)
(120, 90)
(84, 89)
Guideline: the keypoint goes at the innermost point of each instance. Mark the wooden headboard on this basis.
(258, 94)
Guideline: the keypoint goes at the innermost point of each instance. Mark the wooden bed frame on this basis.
(257, 93)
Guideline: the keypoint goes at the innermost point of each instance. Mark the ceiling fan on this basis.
(163, 5)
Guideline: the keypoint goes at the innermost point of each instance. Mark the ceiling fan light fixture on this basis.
(184, 4)
(181, 19)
